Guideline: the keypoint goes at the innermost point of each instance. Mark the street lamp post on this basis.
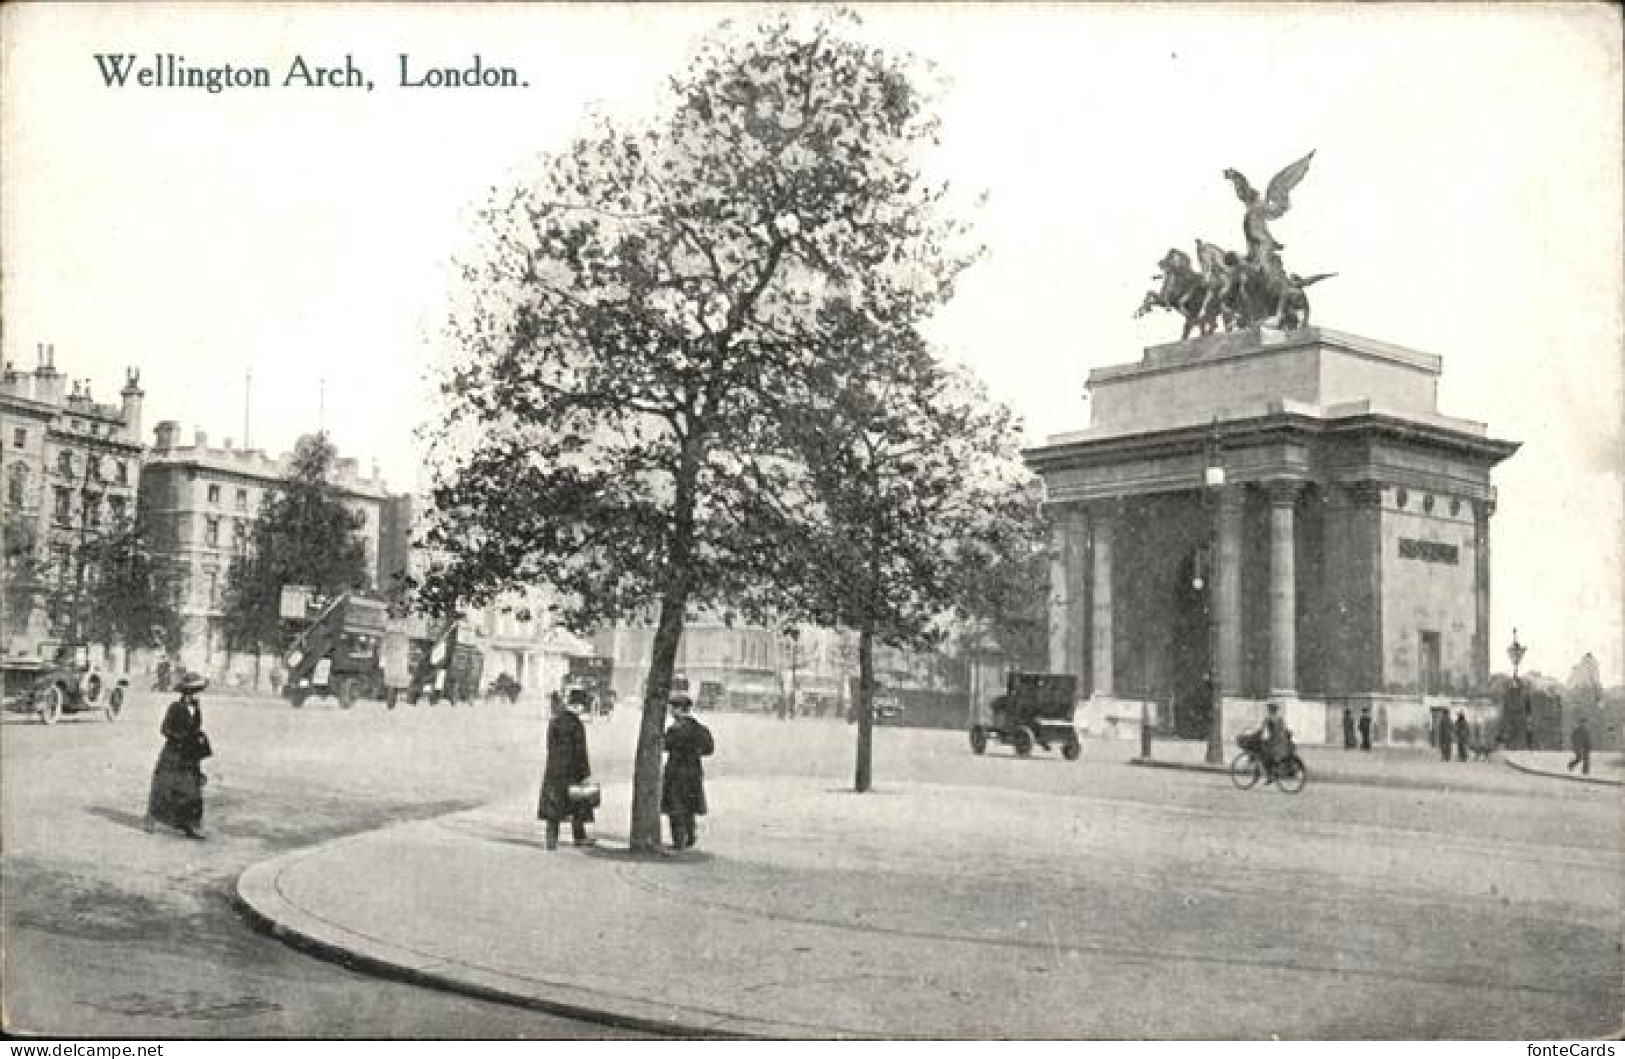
(1213, 482)
(1515, 653)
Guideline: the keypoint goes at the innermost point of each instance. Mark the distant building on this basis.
(199, 504)
(72, 467)
(752, 668)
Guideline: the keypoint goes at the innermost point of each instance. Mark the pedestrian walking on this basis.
(1365, 728)
(682, 787)
(566, 766)
(1581, 742)
(1441, 735)
(1348, 729)
(176, 796)
(1463, 735)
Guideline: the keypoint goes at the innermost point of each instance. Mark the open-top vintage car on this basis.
(1036, 709)
(59, 679)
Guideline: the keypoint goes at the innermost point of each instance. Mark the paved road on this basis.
(114, 931)
(111, 931)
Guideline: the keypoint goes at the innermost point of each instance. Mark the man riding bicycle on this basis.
(1274, 741)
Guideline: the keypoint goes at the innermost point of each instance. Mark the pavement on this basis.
(936, 911)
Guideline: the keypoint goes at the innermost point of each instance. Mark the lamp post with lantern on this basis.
(1515, 653)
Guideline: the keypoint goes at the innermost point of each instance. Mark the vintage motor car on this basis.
(59, 679)
(1036, 709)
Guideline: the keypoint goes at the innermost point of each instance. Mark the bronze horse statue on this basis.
(1227, 291)
(1186, 291)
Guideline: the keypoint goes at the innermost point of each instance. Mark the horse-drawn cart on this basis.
(1035, 710)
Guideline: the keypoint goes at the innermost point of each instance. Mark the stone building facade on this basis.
(72, 468)
(1341, 560)
(199, 503)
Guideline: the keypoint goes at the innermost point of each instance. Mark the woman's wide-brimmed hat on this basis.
(192, 682)
(680, 701)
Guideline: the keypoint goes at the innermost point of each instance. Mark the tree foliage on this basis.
(129, 597)
(891, 500)
(28, 579)
(640, 306)
(305, 535)
(1006, 582)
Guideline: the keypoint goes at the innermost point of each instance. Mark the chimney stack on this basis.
(132, 395)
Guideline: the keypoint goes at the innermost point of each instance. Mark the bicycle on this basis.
(1248, 767)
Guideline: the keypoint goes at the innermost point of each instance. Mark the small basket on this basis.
(587, 794)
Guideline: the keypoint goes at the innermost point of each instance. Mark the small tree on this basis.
(892, 485)
(130, 598)
(305, 535)
(642, 304)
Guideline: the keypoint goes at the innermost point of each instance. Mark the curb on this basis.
(1346, 779)
(1531, 770)
(260, 903)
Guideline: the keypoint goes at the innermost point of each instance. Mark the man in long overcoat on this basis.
(1464, 732)
(682, 787)
(1348, 729)
(176, 795)
(566, 764)
(1581, 742)
(1365, 728)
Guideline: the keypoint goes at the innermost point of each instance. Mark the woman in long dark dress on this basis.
(566, 764)
(682, 787)
(176, 797)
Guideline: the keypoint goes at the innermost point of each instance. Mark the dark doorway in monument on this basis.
(1191, 646)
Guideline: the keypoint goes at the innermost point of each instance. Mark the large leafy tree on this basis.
(892, 492)
(640, 302)
(305, 535)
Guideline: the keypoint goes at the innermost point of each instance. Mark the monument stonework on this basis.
(1344, 561)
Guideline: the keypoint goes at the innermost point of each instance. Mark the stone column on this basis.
(1065, 631)
(1283, 498)
(1227, 589)
(1103, 521)
(1482, 510)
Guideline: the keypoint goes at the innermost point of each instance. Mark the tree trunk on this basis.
(645, 831)
(645, 834)
(866, 707)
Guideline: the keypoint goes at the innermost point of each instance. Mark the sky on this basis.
(1466, 189)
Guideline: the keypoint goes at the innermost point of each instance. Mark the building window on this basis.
(242, 500)
(211, 532)
(93, 510)
(213, 585)
(64, 462)
(64, 506)
(115, 511)
(214, 494)
(239, 537)
(19, 438)
(93, 466)
(123, 472)
(17, 484)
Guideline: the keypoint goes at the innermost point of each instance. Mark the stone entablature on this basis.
(1418, 455)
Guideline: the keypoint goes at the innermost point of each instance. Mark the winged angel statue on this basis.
(1224, 289)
